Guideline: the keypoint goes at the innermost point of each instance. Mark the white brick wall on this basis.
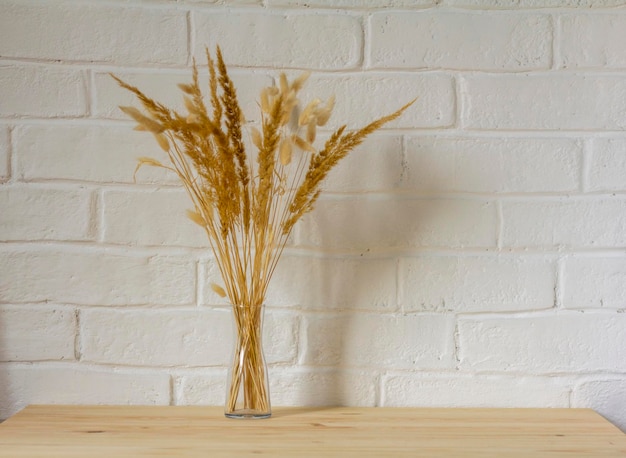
(607, 165)
(579, 102)
(543, 343)
(468, 390)
(93, 33)
(45, 213)
(473, 40)
(66, 274)
(594, 282)
(593, 40)
(42, 91)
(473, 253)
(89, 153)
(37, 334)
(476, 283)
(492, 164)
(323, 40)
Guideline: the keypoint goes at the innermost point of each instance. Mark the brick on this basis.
(375, 165)
(293, 39)
(435, 106)
(38, 91)
(165, 338)
(564, 222)
(176, 338)
(73, 384)
(281, 332)
(334, 283)
(593, 40)
(472, 390)
(607, 165)
(323, 387)
(607, 397)
(43, 213)
(582, 102)
(102, 154)
(379, 341)
(487, 164)
(467, 40)
(202, 387)
(95, 277)
(36, 334)
(590, 282)
(93, 33)
(163, 87)
(150, 218)
(377, 222)
(5, 154)
(476, 283)
(573, 342)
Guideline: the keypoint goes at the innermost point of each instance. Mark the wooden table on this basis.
(124, 431)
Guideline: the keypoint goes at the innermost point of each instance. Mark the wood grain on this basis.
(149, 431)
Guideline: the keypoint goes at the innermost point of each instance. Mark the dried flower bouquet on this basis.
(247, 204)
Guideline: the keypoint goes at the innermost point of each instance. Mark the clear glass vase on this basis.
(247, 391)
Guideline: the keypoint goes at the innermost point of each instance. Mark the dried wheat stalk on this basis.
(247, 208)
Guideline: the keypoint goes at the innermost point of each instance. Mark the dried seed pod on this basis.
(218, 289)
(148, 123)
(323, 114)
(162, 141)
(190, 105)
(186, 88)
(196, 218)
(141, 161)
(285, 151)
(265, 100)
(299, 81)
(284, 84)
(311, 130)
(302, 144)
(256, 137)
(306, 114)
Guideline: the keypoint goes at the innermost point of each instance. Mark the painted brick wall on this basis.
(473, 253)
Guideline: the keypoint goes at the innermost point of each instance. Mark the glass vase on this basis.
(247, 392)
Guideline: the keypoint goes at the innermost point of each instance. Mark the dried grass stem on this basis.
(247, 209)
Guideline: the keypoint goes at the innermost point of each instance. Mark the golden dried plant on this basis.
(248, 207)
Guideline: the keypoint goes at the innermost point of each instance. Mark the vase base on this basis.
(246, 414)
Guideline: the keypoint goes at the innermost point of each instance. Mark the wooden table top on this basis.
(150, 431)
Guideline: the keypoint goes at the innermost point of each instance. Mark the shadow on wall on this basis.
(359, 239)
